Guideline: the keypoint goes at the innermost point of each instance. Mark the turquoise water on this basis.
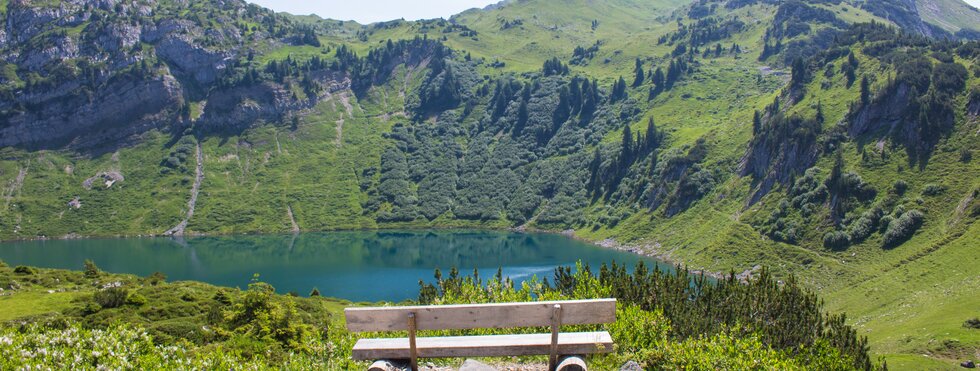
(358, 266)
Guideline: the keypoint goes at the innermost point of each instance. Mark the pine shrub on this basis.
(901, 229)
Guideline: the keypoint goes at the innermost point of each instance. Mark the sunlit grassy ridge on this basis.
(319, 175)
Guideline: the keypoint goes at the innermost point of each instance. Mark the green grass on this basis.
(950, 15)
(919, 306)
(32, 303)
(909, 301)
(147, 201)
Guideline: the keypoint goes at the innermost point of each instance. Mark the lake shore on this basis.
(654, 251)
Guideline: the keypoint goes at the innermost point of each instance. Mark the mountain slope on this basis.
(951, 15)
(721, 134)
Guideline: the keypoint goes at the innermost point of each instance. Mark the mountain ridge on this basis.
(805, 135)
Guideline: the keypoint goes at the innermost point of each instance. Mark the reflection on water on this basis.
(360, 266)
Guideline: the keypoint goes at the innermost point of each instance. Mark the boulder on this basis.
(471, 365)
(631, 366)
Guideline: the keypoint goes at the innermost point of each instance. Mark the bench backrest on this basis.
(474, 316)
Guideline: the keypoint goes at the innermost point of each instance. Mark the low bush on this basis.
(677, 320)
(836, 240)
(973, 323)
(901, 229)
(900, 187)
(156, 278)
(885, 222)
(113, 297)
(866, 225)
(136, 299)
(933, 190)
(91, 270)
(25, 270)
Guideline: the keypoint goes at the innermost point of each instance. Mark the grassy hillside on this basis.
(501, 129)
(951, 15)
(59, 317)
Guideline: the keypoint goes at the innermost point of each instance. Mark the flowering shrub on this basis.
(128, 348)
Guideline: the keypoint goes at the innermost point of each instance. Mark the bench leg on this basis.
(412, 326)
(572, 363)
(555, 327)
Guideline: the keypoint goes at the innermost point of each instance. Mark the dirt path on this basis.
(195, 190)
(339, 140)
(15, 186)
(345, 101)
(292, 220)
(408, 76)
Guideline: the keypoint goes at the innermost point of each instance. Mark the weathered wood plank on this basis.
(484, 346)
(473, 316)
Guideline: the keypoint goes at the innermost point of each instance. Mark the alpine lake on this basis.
(360, 266)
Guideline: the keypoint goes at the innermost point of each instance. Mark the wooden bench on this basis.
(552, 314)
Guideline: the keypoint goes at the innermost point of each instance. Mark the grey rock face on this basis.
(62, 48)
(973, 108)
(25, 21)
(200, 63)
(239, 108)
(881, 115)
(125, 107)
(118, 36)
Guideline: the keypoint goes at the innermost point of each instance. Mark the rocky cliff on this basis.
(86, 74)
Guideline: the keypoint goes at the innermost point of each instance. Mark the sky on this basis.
(369, 11)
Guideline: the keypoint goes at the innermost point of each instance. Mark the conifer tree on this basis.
(594, 168)
(626, 154)
(865, 90)
(798, 77)
(640, 77)
(652, 137)
(619, 90)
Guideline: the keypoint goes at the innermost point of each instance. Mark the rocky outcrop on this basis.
(239, 108)
(105, 178)
(125, 107)
(117, 37)
(176, 43)
(917, 123)
(106, 70)
(60, 49)
(25, 20)
(782, 148)
(905, 14)
(883, 114)
(973, 107)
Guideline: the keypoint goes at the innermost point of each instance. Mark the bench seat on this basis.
(484, 346)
